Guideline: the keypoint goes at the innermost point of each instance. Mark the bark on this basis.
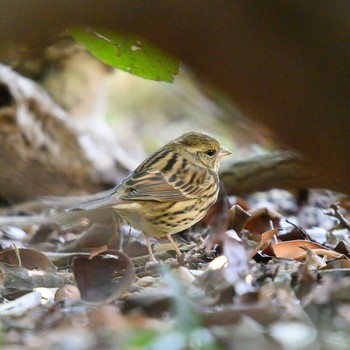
(284, 169)
(41, 151)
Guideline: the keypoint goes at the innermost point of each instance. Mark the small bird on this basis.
(169, 191)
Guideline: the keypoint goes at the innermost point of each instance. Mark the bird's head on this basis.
(202, 148)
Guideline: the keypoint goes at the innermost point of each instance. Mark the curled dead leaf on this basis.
(104, 277)
(239, 218)
(296, 250)
(262, 220)
(325, 252)
(264, 238)
(31, 259)
(343, 248)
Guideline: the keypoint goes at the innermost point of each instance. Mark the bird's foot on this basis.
(181, 258)
(152, 264)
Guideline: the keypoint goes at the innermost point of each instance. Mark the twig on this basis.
(338, 215)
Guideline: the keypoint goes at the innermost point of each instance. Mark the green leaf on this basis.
(128, 53)
(139, 340)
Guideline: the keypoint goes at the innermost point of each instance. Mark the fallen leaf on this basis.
(337, 264)
(291, 249)
(31, 259)
(262, 220)
(343, 248)
(336, 212)
(239, 218)
(104, 277)
(307, 280)
(218, 218)
(325, 252)
(135, 248)
(264, 238)
(296, 233)
(262, 311)
(15, 278)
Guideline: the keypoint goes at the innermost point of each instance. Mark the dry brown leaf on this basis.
(263, 312)
(218, 218)
(307, 279)
(325, 252)
(296, 233)
(337, 264)
(104, 277)
(31, 259)
(343, 248)
(135, 248)
(336, 212)
(264, 238)
(296, 249)
(261, 220)
(18, 278)
(239, 218)
(291, 249)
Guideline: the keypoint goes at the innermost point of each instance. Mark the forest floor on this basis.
(270, 271)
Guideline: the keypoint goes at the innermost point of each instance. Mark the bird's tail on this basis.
(106, 202)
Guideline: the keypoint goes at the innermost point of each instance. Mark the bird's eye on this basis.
(210, 152)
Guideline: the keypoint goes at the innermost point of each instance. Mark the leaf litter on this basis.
(266, 276)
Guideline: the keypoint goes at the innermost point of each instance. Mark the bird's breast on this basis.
(161, 218)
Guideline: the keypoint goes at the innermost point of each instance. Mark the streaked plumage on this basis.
(171, 190)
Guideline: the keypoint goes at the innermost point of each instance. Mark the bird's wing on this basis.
(158, 186)
(155, 185)
(140, 186)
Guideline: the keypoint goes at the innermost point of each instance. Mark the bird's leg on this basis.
(152, 259)
(174, 244)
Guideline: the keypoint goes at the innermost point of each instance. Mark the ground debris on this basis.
(259, 280)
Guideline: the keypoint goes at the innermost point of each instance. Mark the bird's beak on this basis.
(224, 152)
